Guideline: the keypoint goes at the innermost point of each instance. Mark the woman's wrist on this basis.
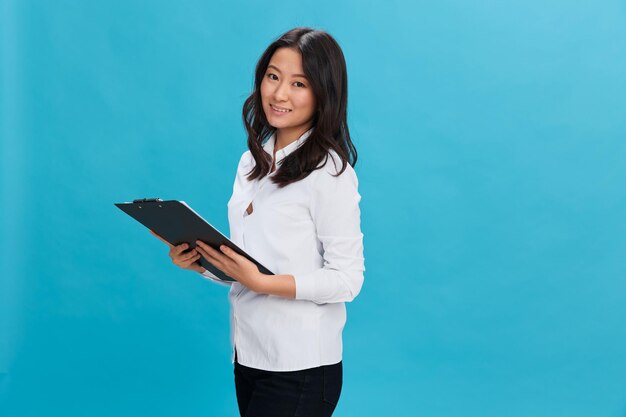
(280, 285)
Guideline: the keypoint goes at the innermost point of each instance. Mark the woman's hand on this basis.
(186, 260)
(234, 265)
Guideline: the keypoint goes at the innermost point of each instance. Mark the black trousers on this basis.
(310, 392)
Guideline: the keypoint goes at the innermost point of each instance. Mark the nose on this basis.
(281, 92)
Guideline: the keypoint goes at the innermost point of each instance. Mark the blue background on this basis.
(492, 149)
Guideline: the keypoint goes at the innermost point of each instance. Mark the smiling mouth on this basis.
(280, 109)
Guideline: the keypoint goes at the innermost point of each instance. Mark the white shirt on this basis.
(309, 229)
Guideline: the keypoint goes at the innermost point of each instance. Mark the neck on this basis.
(287, 136)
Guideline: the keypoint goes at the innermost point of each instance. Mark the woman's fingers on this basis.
(188, 262)
(205, 254)
(208, 252)
(183, 260)
(231, 253)
(178, 250)
(183, 257)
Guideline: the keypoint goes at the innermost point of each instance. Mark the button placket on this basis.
(245, 213)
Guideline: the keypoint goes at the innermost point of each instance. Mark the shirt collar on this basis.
(282, 153)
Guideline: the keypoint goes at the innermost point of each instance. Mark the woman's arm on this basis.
(280, 285)
(336, 214)
(246, 272)
(337, 217)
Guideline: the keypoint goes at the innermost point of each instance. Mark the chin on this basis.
(279, 123)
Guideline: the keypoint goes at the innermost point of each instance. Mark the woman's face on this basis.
(286, 95)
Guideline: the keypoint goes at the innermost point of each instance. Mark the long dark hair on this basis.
(325, 68)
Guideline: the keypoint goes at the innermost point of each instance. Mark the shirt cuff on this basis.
(305, 286)
(208, 275)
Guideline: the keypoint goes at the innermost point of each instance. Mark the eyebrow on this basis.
(294, 75)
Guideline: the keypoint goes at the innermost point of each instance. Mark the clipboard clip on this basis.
(147, 200)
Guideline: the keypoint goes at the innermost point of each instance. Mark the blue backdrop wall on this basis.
(492, 149)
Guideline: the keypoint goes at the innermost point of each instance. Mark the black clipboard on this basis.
(178, 223)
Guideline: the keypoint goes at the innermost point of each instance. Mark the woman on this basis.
(295, 209)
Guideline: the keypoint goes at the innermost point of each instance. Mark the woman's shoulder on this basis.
(246, 161)
(333, 164)
(246, 157)
(332, 169)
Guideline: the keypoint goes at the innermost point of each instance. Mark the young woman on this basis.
(295, 209)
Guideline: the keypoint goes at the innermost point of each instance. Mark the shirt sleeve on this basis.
(337, 217)
(208, 275)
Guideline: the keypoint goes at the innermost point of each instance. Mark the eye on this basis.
(272, 76)
(299, 84)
